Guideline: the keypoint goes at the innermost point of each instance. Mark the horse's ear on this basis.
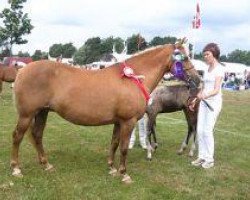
(180, 42)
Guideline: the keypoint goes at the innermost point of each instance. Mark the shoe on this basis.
(198, 162)
(207, 165)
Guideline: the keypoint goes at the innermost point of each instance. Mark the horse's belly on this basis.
(93, 118)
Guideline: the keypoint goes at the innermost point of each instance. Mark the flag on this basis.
(196, 22)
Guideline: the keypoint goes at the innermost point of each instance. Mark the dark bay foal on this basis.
(167, 99)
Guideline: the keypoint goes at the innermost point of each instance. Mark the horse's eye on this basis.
(185, 58)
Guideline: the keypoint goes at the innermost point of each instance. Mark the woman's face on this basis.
(208, 57)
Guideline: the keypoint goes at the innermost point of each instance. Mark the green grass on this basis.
(79, 155)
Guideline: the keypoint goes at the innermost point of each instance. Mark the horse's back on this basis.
(169, 99)
(80, 96)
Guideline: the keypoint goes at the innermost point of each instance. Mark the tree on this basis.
(16, 24)
(135, 43)
(110, 42)
(79, 56)
(39, 55)
(68, 50)
(65, 50)
(162, 40)
(239, 56)
(23, 54)
(56, 50)
(89, 52)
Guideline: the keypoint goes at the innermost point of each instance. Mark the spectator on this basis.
(142, 135)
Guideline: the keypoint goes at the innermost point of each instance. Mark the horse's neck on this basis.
(153, 76)
(153, 69)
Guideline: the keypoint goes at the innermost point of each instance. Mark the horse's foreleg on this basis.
(21, 128)
(184, 144)
(155, 144)
(37, 129)
(125, 133)
(193, 146)
(113, 148)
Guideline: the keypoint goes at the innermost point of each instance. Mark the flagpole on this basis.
(196, 23)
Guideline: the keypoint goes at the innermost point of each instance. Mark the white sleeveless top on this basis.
(209, 81)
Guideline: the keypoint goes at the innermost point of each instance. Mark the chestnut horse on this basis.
(90, 98)
(7, 74)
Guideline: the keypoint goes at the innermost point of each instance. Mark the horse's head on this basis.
(182, 67)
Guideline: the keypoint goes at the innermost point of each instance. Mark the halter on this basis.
(177, 68)
(128, 72)
(179, 72)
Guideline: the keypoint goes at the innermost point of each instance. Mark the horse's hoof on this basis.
(191, 154)
(127, 179)
(149, 159)
(49, 168)
(17, 173)
(180, 152)
(113, 172)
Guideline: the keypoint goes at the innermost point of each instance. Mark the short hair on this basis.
(213, 48)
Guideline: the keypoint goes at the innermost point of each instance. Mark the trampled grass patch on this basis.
(79, 155)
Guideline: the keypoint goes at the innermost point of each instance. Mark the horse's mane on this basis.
(148, 50)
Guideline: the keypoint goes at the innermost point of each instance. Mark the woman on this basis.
(212, 94)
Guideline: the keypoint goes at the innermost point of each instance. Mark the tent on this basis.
(199, 65)
(236, 68)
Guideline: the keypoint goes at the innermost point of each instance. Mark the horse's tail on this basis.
(37, 126)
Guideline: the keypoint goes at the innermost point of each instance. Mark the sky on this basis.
(56, 21)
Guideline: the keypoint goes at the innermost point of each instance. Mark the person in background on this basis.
(212, 94)
(142, 135)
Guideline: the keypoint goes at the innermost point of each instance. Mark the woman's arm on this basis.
(217, 86)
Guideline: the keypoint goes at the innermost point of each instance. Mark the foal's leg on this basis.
(21, 128)
(193, 146)
(191, 122)
(149, 127)
(185, 142)
(113, 148)
(37, 129)
(189, 133)
(126, 128)
(151, 124)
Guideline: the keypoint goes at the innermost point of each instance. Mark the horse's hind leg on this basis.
(150, 126)
(1, 88)
(113, 148)
(21, 128)
(126, 128)
(37, 129)
(191, 131)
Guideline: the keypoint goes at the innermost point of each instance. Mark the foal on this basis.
(167, 99)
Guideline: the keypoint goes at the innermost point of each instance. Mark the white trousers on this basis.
(142, 133)
(205, 128)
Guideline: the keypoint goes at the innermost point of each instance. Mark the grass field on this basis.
(79, 155)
